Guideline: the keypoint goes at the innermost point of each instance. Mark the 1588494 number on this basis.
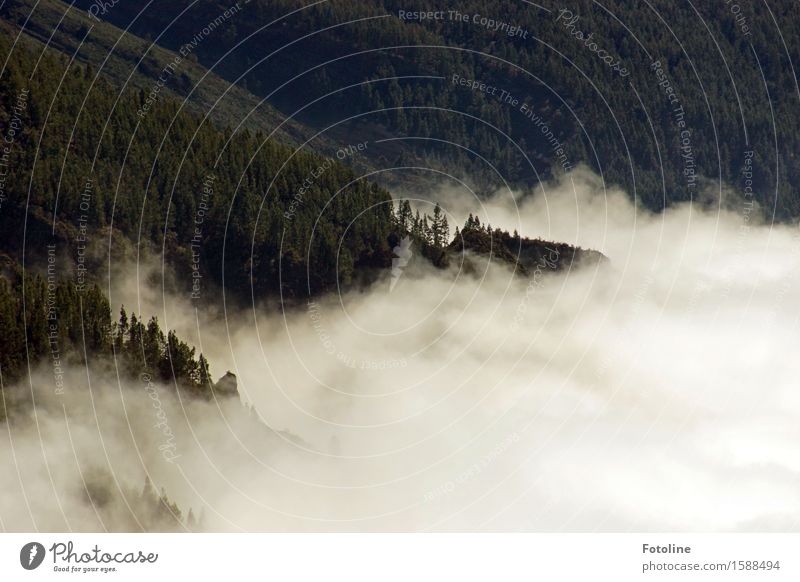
(758, 565)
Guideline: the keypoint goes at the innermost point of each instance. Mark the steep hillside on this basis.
(533, 258)
(235, 206)
(661, 98)
(131, 63)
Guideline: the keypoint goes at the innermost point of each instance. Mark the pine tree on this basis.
(404, 216)
(121, 331)
(440, 229)
(416, 227)
(436, 227)
(204, 374)
(153, 344)
(148, 491)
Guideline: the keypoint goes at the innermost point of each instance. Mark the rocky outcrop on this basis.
(526, 256)
(226, 386)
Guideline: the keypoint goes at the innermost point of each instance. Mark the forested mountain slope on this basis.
(130, 62)
(680, 96)
(86, 160)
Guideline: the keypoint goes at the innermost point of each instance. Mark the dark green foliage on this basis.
(529, 257)
(144, 349)
(256, 212)
(737, 88)
(124, 509)
(431, 234)
(44, 318)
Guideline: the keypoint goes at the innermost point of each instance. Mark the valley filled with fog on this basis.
(655, 391)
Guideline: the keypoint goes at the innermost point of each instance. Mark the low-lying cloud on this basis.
(654, 392)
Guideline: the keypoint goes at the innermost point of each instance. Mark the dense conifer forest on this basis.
(86, 163)
(730, 81)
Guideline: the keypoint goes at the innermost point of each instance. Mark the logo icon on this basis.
(403, 254)
(31, 555)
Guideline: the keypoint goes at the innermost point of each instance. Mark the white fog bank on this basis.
(656, 392)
